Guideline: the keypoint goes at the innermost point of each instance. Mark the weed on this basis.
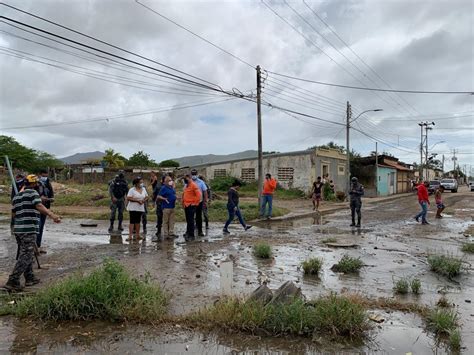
(262, 250)
(333, 316)
(348, 264)
(445, 265)
(329, 240)
(415, 285)
(443, 302)
(454, 340)
(468, 248)
(108, 293)
(312, 266)
(401, 286)
(442, 321)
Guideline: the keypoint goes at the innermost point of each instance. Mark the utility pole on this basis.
(259, 133)
(376, 169)
(348, 163)
(454, 162)
(424, 142)
(442, 164)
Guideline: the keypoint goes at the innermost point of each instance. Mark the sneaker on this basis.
(247, 227)
(425, 222)
(417, 219)
(33, 281)
(358, 225)
(226, 231)
(352, 224)
(201, 234)
(120, 228)
(269, 218)
(13, 286)
(111, 229)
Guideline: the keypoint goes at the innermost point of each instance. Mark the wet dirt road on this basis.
(391, 244)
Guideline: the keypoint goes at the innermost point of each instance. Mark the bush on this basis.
(312, 266)
(402, 286)
(108, 293)
(223, 183)
(348, 264)
(415, 286)
(331, 316)
(328, 195)
(445, 265)
(468, 248)
(262, 250)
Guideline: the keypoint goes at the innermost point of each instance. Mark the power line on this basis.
(372, 89)
(195, 34)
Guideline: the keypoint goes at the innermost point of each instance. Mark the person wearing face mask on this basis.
(167, 199)
(144, 214)
(191, 200)
(136, 200)
(356, 193)
(203, 203)
(158, 209)
(45, 190)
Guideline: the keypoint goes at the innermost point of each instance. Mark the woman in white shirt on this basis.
(136, 197)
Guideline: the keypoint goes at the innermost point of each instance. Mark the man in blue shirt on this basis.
(167, 198)
(202, 186)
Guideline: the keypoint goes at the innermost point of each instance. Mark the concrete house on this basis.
(292, 170)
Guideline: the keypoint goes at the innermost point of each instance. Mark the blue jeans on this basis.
(39, 236)
(234, 211)
(423, 212)
(266, 199)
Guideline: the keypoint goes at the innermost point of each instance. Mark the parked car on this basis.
(434, 185)
(450, 184)
(471, 186)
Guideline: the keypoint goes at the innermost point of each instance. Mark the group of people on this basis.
(424, 201)
(317, 190)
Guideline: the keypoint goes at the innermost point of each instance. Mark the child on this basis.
(439, 202)
(316, 193)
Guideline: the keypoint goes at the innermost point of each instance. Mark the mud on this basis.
(391, 244)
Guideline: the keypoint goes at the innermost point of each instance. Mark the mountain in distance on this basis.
(80, 158)
(213, 158)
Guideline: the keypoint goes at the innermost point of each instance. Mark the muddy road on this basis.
(391, 244)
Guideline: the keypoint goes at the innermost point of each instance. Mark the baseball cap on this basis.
(32, 179)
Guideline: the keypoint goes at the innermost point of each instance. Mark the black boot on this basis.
(358, 222)
(120, 228)
(353, 223)
(111, 228)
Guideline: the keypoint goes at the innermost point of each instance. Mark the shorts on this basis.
(135, 217)
(440, 205)
(316, 197)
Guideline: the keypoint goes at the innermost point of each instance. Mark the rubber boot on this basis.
(358, 222)
(353, 223)
(120, 228)
(111, 228)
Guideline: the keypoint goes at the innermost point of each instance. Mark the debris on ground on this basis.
(377, 318)
(286, 293)
(262, 294)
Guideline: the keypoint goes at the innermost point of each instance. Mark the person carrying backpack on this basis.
(118, 189)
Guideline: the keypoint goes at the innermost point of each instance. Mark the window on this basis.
(341, 170)
(285, 174)
(247, 174)
(220, 173)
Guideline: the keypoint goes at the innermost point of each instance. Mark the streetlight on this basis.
(436, 144)
(348, 127)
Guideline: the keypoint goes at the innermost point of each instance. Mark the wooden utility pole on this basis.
(348, 163)
(376, 169)
(259, 133)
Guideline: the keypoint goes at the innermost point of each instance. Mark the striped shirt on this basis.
(26, 215)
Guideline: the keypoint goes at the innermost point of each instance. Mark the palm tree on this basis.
(114, 160)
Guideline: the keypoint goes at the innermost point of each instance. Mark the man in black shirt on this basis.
(118, 189)
(233, 207)
(46, 193)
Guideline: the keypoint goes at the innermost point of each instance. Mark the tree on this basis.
(141, 159)
(114, 160)
(330, 145)
(169, 164)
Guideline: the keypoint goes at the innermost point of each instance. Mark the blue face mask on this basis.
(194, 177)
(43, 178)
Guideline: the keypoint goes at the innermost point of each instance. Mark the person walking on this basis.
(205, 209)
(191, 200)
(118, 189)
(269, 187)
(203, 203)
(439, 201)
(167, 199)
(20, 183)
(233, 207)
(356, 193)
(136, 199)
(316, 193)
(45, 190)
(26, 209)
(158, 208)
(424, 201)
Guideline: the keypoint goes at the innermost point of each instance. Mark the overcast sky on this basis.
(408, 45)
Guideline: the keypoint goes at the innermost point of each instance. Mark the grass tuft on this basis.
(445, 265)
(262, 250)
(442, 321)
(415, 285)
(455, 340)
(312, 266)
(468, 248)
(108, 293)
(402, 286)
(332, 316)
(348, 265)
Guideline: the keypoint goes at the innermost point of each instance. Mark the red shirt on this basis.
(422, 193)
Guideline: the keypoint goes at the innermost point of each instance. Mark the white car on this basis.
(450, 184)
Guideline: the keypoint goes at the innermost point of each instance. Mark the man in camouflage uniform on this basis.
(356, 193)
(26, 209)
(118, 189)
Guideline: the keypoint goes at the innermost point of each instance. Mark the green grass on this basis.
(348, 265)
(402, 286)
(454, 341)
(312, 266)
(107, 293)
(442, 321)
(415, 285)
(445, 265)
(331, 316)
(262, 250)
(468, 248)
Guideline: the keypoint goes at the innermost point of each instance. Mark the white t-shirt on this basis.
(135, 206)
